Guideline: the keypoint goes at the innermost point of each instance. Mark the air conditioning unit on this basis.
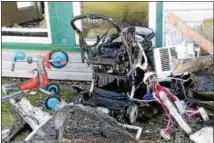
(163, 57)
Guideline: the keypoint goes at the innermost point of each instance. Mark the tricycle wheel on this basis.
(51, 101)
(59, 59)
(53, 88)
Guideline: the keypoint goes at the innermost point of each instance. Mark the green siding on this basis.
(32, 46)
(60, 14)
(159, 24)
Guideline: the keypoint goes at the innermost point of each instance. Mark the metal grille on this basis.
(165, 61)
(173, 53)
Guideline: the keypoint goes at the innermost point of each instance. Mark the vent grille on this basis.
(173, 53)
(165, 61)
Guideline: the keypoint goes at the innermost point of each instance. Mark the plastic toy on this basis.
(55, 58)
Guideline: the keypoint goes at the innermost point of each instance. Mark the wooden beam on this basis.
(34, 116)
(192, 64)
(188, 31)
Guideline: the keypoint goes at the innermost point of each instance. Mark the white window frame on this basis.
(76, 12)
(152, 18)
(25, 39)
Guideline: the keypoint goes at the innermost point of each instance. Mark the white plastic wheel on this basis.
(204, 114)
(165, 135)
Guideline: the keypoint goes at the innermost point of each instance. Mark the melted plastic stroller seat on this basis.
(100, 101)
(98, 60)
(108, 54)
(111, 94)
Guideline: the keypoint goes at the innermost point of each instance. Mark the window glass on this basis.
(123, 13)
(21, 5)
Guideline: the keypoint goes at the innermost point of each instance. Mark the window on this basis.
(24, 5)
(123, 13)
(25, 22)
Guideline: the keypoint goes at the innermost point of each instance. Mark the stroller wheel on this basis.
(81, 97)
(51, 101)
(131, 113)
(78, 99)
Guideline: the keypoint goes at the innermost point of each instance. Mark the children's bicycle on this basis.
(55, 58)
(173, 107)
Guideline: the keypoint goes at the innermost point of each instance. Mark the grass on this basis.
(36, 100)
(5, 115)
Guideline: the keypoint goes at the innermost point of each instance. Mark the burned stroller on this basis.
(118, 62)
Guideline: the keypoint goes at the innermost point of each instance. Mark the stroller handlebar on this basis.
(93, 16)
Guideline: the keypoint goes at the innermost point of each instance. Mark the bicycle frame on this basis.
(173, 107)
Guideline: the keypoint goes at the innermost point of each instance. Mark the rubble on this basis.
(205, 135)
(49, 132)
(75, 123)
(34, 116)
(17, 127)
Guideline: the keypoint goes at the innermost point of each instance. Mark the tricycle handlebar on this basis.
(29, 60)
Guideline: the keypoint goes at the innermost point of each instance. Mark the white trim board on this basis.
(48, 22)
(7, 54)
(25, 29)
(77, 11)
(152, 18)
(20, 39)
(59, 75)
(70, 67)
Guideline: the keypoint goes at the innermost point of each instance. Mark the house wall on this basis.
(63, 36)
(60, 14)
(11, 15)
(74, 70)
(192, 13)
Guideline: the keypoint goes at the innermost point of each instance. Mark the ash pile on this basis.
(78, 124)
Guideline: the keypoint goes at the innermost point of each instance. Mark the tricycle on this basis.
(55, 58)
